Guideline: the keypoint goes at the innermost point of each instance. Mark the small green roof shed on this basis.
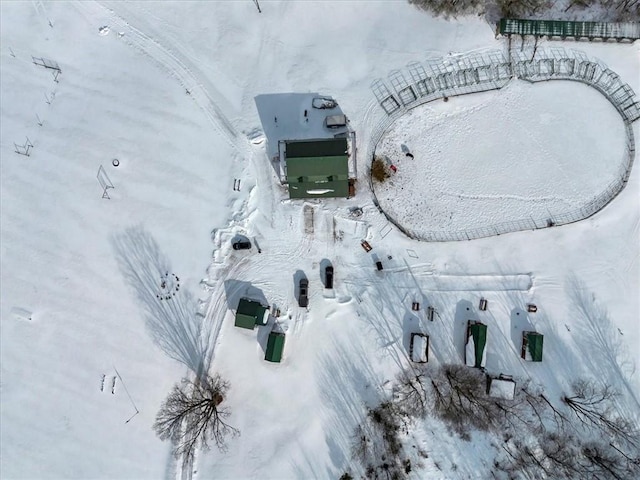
(532, 343)
(475, 354)
(275, 346)
(250, 313)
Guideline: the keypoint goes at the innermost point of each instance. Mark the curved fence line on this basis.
(481, 72)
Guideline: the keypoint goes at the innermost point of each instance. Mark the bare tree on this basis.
(592, 405)
(410, 392)
(191, 416)
(460, 399)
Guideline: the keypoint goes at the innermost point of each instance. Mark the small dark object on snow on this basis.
(328, 277)
(366, 246)
(303, 299)
(379, 265)
(409, 154)
(415, 306)
(242, 245)
(446, 99)
(531, 308)
(483, 304)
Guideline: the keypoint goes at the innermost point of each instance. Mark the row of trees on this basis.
(607, 10)
(580, 436)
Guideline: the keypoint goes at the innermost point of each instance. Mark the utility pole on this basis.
(257, 6)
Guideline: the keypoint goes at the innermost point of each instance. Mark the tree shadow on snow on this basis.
(464, 312)
(607, 354)
(519, 323)
(173, 323)
(347, 385)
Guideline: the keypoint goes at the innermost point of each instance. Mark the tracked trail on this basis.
(172, 60)
(123, 17)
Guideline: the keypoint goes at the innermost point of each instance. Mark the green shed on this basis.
(532, 343)
(250, 313)
(317, 168)
(275, 346)
(475, 355)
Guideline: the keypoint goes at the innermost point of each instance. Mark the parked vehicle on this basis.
(379, 265)
(303, 299)
(241, 245)
(328, 277)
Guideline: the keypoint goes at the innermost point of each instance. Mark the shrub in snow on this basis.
(379, 170)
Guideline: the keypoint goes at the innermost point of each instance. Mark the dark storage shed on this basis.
(275, 346)
(250, 313)
(532, 343)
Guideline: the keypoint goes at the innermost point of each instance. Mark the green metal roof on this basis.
(479, 334)
(249, 313)
(317, 166)
(331, 189)
(561, 28)
(275, 346)
(328, 147)
(534, 345)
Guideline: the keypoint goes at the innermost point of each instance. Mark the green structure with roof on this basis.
(275, 346)
(317, 168)
(250, 313)
(532, 343)
(562, 29)
(478, 333)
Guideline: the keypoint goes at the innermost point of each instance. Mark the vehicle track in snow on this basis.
(172, 60)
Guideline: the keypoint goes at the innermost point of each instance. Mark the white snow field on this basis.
(88, 351)
(525, 151)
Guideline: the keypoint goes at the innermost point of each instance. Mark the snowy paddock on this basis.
(527, 151)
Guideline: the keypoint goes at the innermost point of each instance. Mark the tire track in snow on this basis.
(179, 67)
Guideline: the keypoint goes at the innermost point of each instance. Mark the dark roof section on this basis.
(562, 28)
(330, 147)
(275, 346)
(534, 345)
(249, 314)
(479, 333)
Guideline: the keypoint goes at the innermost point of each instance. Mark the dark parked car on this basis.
(303, 299)
(241, 245)
(328, 277)
(379, 265)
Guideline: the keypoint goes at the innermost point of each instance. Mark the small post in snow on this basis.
(257, 6)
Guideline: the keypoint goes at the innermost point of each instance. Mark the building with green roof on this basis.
(317, 168)
(275, 347)
(250, 313)
(475, 354)
(628, 31)
(532, 343)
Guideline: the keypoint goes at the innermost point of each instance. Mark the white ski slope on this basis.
(88, 269)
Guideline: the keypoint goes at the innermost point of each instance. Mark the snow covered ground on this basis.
(525, 151)
(168, 89)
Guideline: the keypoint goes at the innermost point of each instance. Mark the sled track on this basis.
(178, 66)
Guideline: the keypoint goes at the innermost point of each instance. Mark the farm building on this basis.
(317, 168)
(275, 346)
(503, 387)
(532, 343)
(565, 29)
(250, 313)
(310, 144)
(475, 354)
